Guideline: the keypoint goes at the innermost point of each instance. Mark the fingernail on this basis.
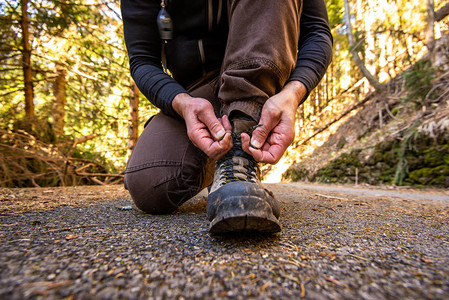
(221, 134)
(255, 144)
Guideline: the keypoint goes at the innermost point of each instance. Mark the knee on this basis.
(155, 197)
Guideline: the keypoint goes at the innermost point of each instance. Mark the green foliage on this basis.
(336, 11)
(402, 168)
(437, 176)
(85, 38)
(418, 81)
(360, 37)
(344, 168)
(412, 160)
(296, 173)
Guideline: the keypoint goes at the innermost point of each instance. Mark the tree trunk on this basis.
(133, 119)
(333, 92)
(313, 102)
(327, 89)
(319, 91)
(26, 61)
(358, 61)
(302, 116)
(370, 41)
(59, 92)
(430, 26)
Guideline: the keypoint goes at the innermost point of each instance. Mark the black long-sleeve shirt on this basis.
(144, 49)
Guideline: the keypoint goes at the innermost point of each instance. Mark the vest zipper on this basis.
(220, 9)
(202, 55)
(210, 15)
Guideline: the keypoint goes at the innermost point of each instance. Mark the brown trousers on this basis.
(165, 168)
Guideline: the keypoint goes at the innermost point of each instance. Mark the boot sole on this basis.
(244, 213)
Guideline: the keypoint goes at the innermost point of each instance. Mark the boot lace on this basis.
(236, 164)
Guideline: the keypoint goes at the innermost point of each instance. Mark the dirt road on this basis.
(337, 242)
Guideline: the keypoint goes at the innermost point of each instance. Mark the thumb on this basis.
(208, 118)
(260, 134)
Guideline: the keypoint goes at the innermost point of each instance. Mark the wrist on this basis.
(178, 103)
(296, 91)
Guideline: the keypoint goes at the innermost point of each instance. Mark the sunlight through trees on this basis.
(64, 72)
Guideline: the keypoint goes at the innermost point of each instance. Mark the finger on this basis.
(218, 149)
(257, 154)
(268, 119)
(208, 118)
(246, 146)
(271, 156)
(223, 147)
(201, 138)
(226, 123)
(267, 154)
(226, 142)
(213, 149)
(246, 139)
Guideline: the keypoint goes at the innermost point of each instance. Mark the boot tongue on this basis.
(240, 125)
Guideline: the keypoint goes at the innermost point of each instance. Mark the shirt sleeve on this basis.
(144, 50)
(315, 45)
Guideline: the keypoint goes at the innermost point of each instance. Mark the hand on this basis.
(206, 132)
(277, 131)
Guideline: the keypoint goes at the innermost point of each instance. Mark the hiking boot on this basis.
(237, 201)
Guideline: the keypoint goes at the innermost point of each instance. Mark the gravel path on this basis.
(78, 243)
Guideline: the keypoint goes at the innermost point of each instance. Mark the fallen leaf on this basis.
(334, 281)
(303, 291)
(427, 261)
(264, 287)
(71, 237)
(359, 257)
(198, 253)
(48, 284)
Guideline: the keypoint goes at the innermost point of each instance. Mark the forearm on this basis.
(144, 50)
(157, 86)
(315, 45)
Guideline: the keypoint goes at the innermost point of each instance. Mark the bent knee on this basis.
(155, 198)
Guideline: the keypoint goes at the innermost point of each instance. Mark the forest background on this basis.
(70, 113)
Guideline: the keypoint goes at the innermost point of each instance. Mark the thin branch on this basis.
(336, 119)
(70, 228)
(9, 93)
(99, 174)
(442, 12)
(372, 80)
